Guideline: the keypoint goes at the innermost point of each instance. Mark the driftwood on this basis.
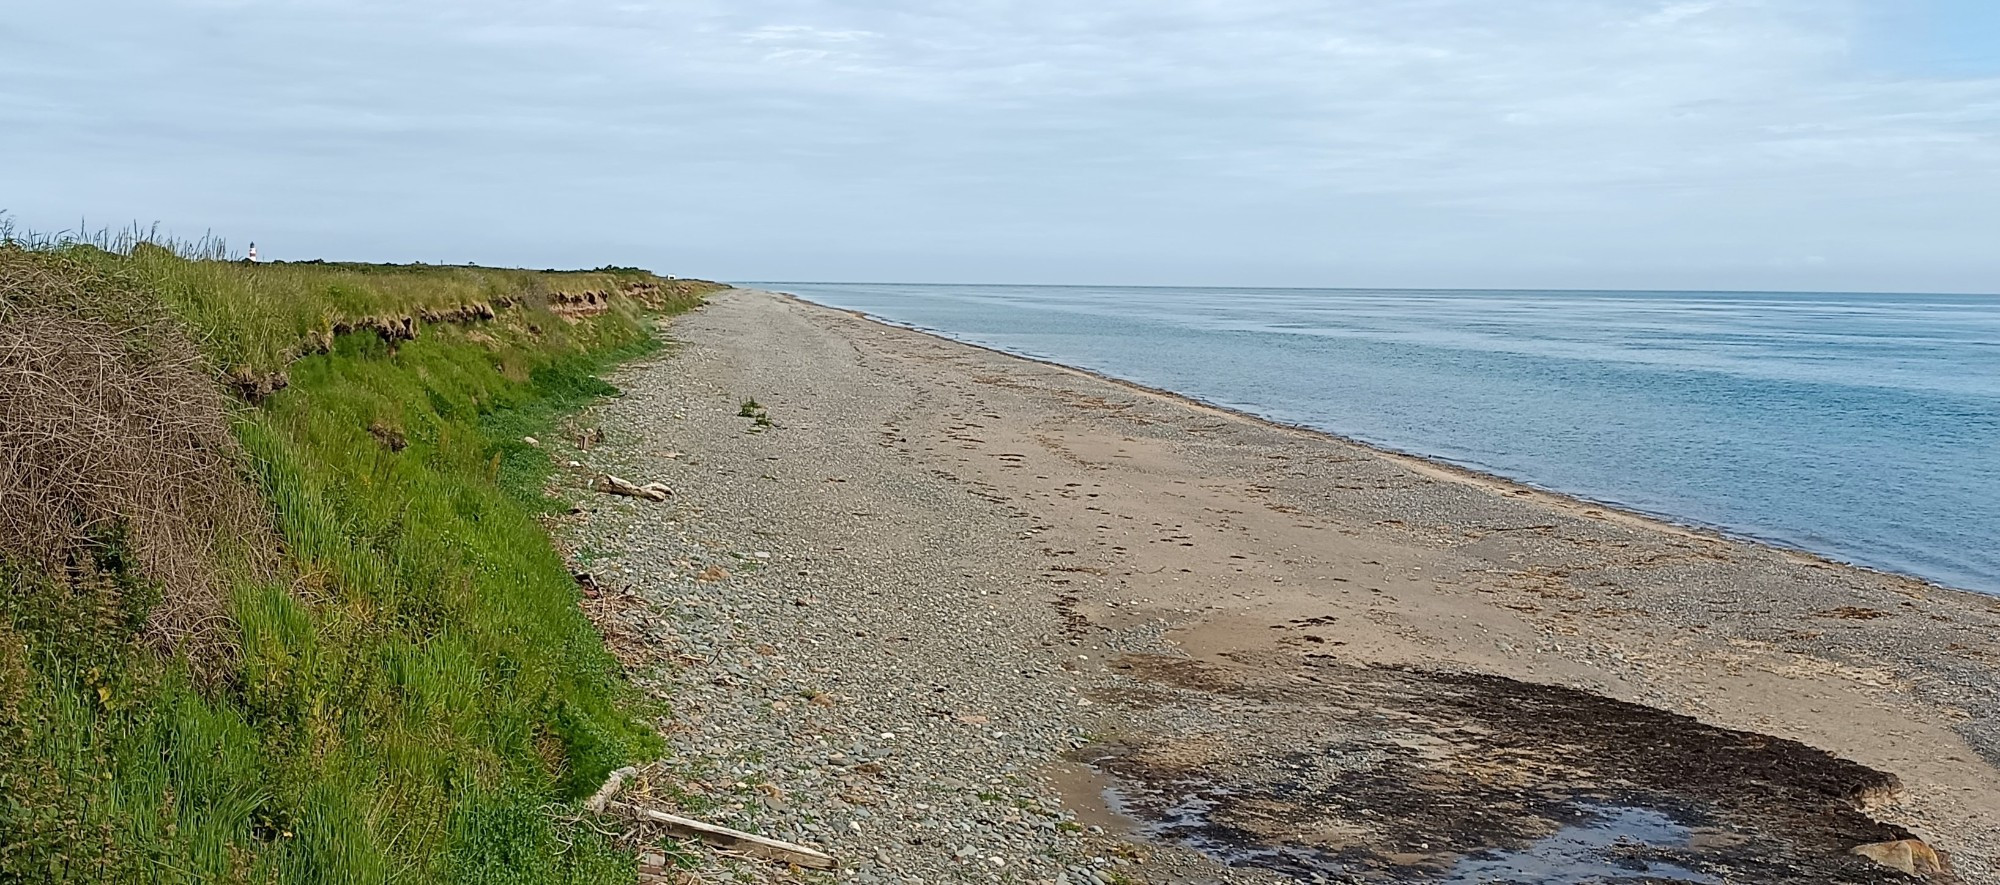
(651, 491)
(612, 785)
(747, 843)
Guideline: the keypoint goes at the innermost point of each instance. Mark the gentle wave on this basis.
(1865, 427)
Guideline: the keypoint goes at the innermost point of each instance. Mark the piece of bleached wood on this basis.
(748, 843)
(612, 785)
(651, 491)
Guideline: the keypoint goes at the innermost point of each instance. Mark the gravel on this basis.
(858, 654)
(870, 639)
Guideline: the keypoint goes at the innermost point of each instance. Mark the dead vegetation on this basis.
(111, 425)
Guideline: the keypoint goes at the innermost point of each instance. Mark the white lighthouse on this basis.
(253, 253)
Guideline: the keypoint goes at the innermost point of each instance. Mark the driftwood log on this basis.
(735, 840)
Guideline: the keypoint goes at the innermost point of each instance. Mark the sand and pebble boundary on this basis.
(1097, 584)
(1417, 461)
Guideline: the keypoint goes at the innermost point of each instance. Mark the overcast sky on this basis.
(1786, 144)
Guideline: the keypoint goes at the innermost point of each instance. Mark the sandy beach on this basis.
(958, 616)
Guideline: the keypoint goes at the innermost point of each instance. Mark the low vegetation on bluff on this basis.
(274, 602)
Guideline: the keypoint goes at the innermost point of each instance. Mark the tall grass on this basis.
(417, 689)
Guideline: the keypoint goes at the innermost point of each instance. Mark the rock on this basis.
(1910, 856)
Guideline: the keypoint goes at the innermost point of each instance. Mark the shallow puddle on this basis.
(1615, 844)
(1185, 820)
(1604, 844)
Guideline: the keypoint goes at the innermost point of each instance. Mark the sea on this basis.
(1863, 427)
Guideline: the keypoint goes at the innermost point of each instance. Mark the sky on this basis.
(1656, 144)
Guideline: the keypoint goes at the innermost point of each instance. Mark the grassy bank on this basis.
(382, 676)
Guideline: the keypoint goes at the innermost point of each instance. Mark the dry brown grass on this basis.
(110, 422)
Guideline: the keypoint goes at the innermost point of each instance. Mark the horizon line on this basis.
(1466, 289)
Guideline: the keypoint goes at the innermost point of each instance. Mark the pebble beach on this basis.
(951, 615)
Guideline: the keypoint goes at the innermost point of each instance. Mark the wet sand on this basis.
(1310, 657)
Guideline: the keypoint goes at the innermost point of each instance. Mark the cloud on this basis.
(1673, 13)
(1457, 142)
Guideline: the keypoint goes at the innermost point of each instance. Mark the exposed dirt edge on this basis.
(254, 386)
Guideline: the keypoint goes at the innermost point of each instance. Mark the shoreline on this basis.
(988, 598)
(1437, 465)
(761, 287)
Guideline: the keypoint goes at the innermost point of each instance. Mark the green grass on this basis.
(417, 691)
(759, 418)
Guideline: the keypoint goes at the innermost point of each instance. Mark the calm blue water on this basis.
(1864, 427)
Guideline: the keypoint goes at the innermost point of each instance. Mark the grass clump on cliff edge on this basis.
(398, 683)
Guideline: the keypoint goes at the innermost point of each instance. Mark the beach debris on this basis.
(737, 840)
(1909, 856)
(712, 573)
(653, 870)
(724, 837)
(651, 491)
(529, 440)
(612, 785)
